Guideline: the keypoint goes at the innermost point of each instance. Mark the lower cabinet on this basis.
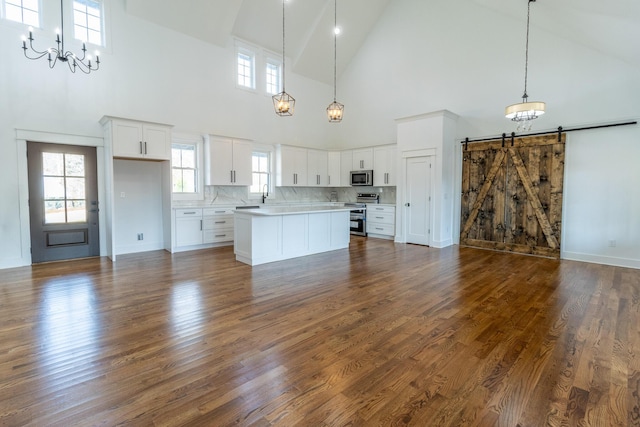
(196, 228)
(381, 221)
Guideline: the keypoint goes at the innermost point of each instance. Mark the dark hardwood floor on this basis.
(382, 334)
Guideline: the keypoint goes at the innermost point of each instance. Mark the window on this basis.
(24, 11)
(246, 68)
(261, 172)
(64, 188)
(273, 76)
(87, 21)
(186, 168)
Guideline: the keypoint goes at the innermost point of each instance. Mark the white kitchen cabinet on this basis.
(384, 166)
(334, 173)
(346, 166)
(227, 161)
(134, 139)
(362, 159)
(381, 220)
(189, 226)
(292, 166)
(217, 225)
(317, 165)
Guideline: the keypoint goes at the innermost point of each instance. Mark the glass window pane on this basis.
(31, 18)
(79, 7)
(95, 38)
(188, 181)
(79, 18)
(30, 4)
(93, 22)
(13, 13)
(53, 164)
(189, 158)
(74, 164)
(177, 180)
(79, 33)
(54, 212)
(176, 158)
(75, 188)
(76, 211)
(53, 188)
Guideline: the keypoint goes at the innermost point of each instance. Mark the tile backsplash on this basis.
(231, 195)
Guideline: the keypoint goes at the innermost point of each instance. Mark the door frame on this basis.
(401, 196)
(22, 136)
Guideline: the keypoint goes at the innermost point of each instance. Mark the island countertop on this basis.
(291, 210)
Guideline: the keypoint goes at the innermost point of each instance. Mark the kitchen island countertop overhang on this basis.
(283, 232)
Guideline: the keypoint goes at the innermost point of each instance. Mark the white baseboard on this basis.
(599, 259)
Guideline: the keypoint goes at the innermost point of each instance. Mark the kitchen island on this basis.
(283, 232)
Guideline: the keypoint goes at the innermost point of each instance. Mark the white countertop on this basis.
(291, 210)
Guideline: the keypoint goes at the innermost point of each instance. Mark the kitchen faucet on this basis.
(264, 197)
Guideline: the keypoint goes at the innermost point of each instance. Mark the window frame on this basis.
(3, 14)
(86, 28)
(198, 142)
(242, 49)
(270, 60)
(270, 151)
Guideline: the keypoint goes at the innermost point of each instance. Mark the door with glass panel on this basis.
(63, 202)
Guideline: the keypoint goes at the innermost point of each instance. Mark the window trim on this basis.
(198, 142)
(243, 49)
(270, 150)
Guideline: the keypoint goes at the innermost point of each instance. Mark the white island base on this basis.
(279, 233)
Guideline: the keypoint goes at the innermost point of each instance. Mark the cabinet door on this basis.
(156, 142)
(242, 152)
(317, 168)
(363, 159)
(334, 172)
(293, 166)
(384, 170)
(346, 164)
(188, 231)
(220, 161)
(127, 139)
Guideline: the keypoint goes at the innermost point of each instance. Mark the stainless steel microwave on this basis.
(359, 178)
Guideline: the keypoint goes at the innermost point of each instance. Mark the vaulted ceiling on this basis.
(612, 27)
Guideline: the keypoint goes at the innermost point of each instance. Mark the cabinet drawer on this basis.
(377, 228)
(381, 217)
(189, 213)
(219, 222)
(215, 236)
(217, 211)
(373, 208)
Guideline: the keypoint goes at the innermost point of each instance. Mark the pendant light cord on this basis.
(526, 54)
(335, 46)
(283, 54)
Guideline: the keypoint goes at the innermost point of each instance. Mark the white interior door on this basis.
(417, 200)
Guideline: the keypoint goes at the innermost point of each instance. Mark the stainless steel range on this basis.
(359, 212)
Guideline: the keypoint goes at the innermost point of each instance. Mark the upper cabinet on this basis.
(227, 161)
(334, 172)
(292, 166)
(362, 159)
(346, 166)
(317, 165)
(134, 139)
(384, 166)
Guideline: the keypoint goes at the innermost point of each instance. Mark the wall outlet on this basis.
(612, 243)
(140, 236)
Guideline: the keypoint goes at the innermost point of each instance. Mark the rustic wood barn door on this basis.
(512, 195)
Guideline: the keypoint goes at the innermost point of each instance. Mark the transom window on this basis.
(87, 21)
(184, 168)
(260, 168)
(273, 76)
(64, 188)
(246, 69)
(24, 11)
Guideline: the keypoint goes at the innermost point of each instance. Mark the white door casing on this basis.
(417, 206)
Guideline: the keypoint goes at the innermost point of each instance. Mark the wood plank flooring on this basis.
(380, 334)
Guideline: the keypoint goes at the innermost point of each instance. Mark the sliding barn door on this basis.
(512, 195)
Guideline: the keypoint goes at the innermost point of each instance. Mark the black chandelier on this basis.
(335, 110)
(55, 54)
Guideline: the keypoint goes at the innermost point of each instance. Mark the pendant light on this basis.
(335, 110)
(55, 54)
(524, 112)
(283, 102)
